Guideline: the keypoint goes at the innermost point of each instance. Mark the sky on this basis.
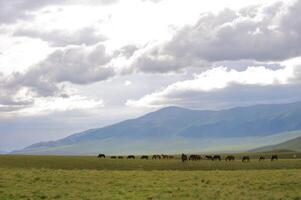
(71, 65)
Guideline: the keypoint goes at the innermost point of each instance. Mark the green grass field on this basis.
(84, 177)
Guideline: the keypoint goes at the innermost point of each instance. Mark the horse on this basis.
(208, 157)
(131, 157)
(171, 157)
(183, 157)
(230, 158)
(155, 157)
(120, 157)
(101, 156)
(261, 158)
(216, 157)
(274, 157)
(164, 156)
(245, 159)
(113, 157)
(194, 157)
(144, 157)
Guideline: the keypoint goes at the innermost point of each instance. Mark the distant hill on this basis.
(175, 129)
(290, 145)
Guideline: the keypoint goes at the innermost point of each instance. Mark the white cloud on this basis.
(84, 36)
(46, 105)
(210, 83)
(127, 83)
(259, 33)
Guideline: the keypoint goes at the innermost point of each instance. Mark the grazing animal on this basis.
(208, 157)
(144, 157)
(164, 156)
(131, 157)
(171, 157)
(216, 157)
(184, 157)
(101, 156)
(230, 158)
(245, 159)
(120, 157)
(155, 157)
(113, 157)
(274, 157)
(261, 158)
(194, 157)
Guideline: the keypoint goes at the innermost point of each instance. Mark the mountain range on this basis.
(175, 129)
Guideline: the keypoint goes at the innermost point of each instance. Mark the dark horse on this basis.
(216, 157)
(144, 157)
(208, 157)
(184, 157)
(101, 156)
(113, 157)
(155, 157)
(245, 159)
(131, 157)
(194, 157)
(230, 158)
(274, 157)
(261, 158)
(120, 157)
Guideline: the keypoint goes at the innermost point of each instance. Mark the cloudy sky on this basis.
(70, 65)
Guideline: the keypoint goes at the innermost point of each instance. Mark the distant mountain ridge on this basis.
(293, 145)
(174, 124)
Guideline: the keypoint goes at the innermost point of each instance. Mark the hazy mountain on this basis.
(293, 144)
(177, 129)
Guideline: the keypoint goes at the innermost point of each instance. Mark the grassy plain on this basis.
(79, 177)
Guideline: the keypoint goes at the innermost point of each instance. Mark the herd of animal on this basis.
(184, 157)
(146, 157)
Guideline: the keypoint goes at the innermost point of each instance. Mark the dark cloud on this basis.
(156, 60)
(13, 10)
(87, 36)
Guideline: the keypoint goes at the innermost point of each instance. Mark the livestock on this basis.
(101, 156)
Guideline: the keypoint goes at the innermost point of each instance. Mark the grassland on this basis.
(80, 177)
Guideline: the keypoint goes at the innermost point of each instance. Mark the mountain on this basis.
(175, 129)
(292, 145)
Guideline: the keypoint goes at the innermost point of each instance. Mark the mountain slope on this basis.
(293, 144)
(173, 125)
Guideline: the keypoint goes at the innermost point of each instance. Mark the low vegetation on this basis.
(86, 177)
(94, 184)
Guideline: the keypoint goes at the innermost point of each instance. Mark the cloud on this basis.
(48, 105)
(50, 78)
(13, 10)
(61, 38)
(77, 65)
(153, 1)
(127, 83)
(259, 33)
(256, 33)
(222, 87)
